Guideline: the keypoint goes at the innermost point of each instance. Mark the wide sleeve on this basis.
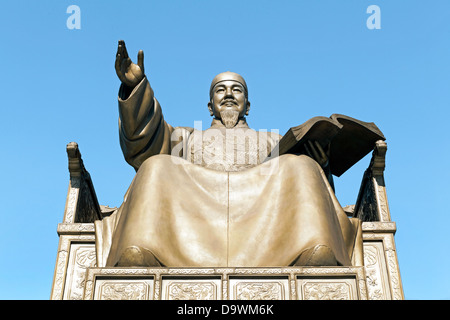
(142, 129)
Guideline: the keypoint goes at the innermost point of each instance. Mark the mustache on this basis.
(228, 101)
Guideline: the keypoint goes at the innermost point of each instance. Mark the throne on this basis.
(80, 275)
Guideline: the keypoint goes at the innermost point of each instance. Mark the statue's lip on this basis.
(229, 102)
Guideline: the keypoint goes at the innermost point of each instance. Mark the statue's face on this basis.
(228, 95)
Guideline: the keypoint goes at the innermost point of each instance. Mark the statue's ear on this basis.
(248, 108)
(210, 109)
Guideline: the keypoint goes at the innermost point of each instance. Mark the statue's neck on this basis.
(217, 123)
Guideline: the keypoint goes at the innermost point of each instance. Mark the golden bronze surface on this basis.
(213, 198)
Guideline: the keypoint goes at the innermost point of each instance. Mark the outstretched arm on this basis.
(142, 129)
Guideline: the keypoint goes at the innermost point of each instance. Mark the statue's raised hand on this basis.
(129, 73)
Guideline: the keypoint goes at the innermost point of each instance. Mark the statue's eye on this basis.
(220, 90)
(237, 90)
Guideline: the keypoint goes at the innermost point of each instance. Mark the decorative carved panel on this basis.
(385, 272)
(327, 289)
(130, 289)
(258, 289)
(376, 271)
(81, 257)
(190, 289)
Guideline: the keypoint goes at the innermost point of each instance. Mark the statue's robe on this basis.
(189, 212)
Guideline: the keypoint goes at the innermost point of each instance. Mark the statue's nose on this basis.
(229, 93)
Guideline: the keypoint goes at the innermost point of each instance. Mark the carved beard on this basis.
(229, 118)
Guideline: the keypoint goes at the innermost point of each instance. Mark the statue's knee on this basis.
(294, 162)
(135, 256)
(320, 255)
(154, 161)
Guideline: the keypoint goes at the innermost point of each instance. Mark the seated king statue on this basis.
(219, 197)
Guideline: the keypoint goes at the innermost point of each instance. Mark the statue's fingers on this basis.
(319, 147)
(307, 150)
(120, 47)
(117, 62)
(314, 151)
(123, 49)
(328, 153)
(118, 67)
(140, 61)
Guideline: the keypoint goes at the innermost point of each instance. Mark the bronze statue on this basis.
(222, 196)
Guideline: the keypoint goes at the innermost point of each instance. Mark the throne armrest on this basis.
(371, 203)
(81, 203)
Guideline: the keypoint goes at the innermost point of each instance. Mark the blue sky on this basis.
(300, 59)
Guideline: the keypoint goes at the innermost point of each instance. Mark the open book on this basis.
(349, 139)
